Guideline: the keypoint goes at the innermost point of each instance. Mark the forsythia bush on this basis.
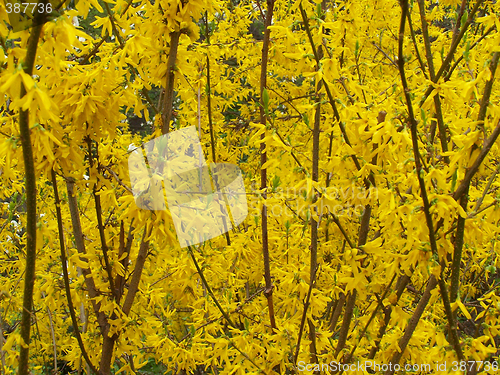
(366, 132)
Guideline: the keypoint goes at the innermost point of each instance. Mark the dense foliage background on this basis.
(366, 132)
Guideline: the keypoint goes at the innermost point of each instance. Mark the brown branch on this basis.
(456, 28)
(328, 179)
(457, 252)
(52, 336)
(145, 93)
(209, 289)
(120, 182)
(313, 223)
(342, 230)
(304, 315)
(123, 249)
(451, 52)
(385, 54)
(209, 96)
(166, 108)
(400, 287)
(80, 246)
(336, 312)
(136, 275)
(109, 342)
(100, 225)
(346, 322)
(475, 166)
(2, 342)
(64, 264)
(460, 58)
(31, 209)
(113, 25)
(462, 188)
(336, 113)
(370, 320)
(211, 126)
(437, 100)
(485, 100)
(87, 57)
(412, 324)
(415, 46)
(485, 191)
(351, 299)
(263, 159)
(464, 199)
(423, 192)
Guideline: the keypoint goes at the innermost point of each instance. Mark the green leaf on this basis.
(454, 180)
(464, 18)
(265, 100)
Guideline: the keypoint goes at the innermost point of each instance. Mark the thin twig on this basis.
(304, 315)
(53, 336)
(210, 292)
(461, 57)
